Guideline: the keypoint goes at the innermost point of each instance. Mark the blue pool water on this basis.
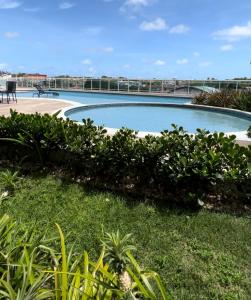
(159, 118)
(95, 98)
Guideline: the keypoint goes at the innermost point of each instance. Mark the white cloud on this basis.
(135, 5)
(159, 62)
(86, 61)
(108, 49)
(3, 66)
(127, 66)
(66, 5)
(93, 30)
(227, 47)
(181, 28)
(91, 70)
(9, 4)
(182, 61)
(234, 33)
(32, 9)
(11, 34)
(205, 64)
(158, 24)
(196, 54)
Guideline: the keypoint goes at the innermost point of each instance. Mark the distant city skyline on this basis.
(188, 39)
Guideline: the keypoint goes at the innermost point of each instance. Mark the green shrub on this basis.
(249, 132)
(31, 267)
(8, 181)
(226, 98)
(243, 101)
(173, 163)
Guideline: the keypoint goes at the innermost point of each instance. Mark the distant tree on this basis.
(62, 76)
(4, 72)
(242, 78)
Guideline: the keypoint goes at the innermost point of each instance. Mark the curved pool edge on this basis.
(241, 136)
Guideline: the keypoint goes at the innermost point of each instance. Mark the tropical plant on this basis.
(21, 268)
(226, 98)
(132, 280)
(243, 101)
(116, 248)
(31, 268)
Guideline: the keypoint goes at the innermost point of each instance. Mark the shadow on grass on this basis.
(170, 205)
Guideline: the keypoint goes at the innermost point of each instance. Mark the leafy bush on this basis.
(173, 163)
(32, 268)
(226, 98)
(249, 132)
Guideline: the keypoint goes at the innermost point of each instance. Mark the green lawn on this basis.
(202, 255)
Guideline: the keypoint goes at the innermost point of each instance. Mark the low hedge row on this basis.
(226, 98)
(174, 163)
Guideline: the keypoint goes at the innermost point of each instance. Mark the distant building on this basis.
(35, 76)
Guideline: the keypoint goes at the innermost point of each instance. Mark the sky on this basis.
(184, 39)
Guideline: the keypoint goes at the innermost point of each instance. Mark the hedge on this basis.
(175, 163)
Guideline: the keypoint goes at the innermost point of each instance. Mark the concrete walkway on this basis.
(30, 106)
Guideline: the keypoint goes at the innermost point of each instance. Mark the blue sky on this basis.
(192, 39)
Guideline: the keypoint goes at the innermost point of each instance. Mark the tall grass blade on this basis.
(64, 265)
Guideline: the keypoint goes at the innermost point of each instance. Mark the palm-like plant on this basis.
(116, 249)
(31, 269)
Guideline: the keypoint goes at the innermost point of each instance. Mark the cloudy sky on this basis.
(135, 38)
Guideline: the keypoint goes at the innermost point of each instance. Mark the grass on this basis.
(201, 255)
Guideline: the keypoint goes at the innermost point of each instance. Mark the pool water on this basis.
(159, 118)
(96, 98)
(147, 118)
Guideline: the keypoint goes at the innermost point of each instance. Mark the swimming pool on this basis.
(96, 98)
(129, 111)
(158, 117)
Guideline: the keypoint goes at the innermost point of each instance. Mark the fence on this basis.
(135, 85)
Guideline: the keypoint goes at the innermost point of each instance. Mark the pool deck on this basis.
(30, 106)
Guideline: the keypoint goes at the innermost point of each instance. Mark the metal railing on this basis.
(122, 85)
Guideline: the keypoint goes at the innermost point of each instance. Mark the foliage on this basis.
(116, 248)
(32, 269)
(240, 100)
(226, 98)
(249, 132)
(173, 163)
(8, 180)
